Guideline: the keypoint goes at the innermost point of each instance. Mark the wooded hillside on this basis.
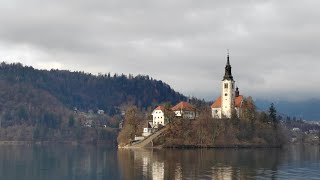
(38, 105)
(86, 91)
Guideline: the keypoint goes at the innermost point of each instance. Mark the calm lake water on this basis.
(87, 162)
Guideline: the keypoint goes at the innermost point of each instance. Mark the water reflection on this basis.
(61, 162)
(220, 163)
(222, 173)
(99, 163)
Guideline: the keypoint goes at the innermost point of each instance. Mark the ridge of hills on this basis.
(307, 109)
(39, 105)
(85, 91)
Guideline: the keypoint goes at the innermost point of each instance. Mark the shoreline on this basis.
(74, 143)
(233, 146)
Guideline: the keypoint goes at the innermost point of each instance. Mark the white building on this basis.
(158, 116)
(230, 100)
(100, 111)
(182, 109)
(147, 131)
(185, 110)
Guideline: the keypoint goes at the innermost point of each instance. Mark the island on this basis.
(231, 121)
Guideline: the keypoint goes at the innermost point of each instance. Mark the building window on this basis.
(225, 94)
(225, 85)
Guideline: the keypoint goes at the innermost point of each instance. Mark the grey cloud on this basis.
(273, 44)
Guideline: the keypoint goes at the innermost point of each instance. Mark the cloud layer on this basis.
(274, 45)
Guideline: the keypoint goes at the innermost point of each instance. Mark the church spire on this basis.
(228, 74)
(228, 61)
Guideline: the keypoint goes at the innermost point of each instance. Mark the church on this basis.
(230, 100)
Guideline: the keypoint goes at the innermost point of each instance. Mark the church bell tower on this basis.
(228, 92)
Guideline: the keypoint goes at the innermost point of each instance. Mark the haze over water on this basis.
(97, 163)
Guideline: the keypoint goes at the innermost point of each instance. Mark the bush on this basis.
(267, 135)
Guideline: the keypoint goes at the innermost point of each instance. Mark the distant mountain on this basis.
(307, 109)
(85, 91)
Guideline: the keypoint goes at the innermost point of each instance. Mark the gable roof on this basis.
(217, 103)
(159, 108)
(238, 100)
(183, 106)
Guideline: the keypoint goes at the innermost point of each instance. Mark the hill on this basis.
(31, 114)
(38, 105)
(306, 109)
(86, 91)
(22, 104)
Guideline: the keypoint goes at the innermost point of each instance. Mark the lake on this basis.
(63, 162)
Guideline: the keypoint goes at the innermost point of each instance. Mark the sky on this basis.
(274, 45)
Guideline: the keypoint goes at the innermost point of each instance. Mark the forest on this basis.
(56, 105)
(86, 91)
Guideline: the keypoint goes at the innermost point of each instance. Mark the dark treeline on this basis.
(86, 91)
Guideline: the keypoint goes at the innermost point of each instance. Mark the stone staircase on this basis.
(147, 142)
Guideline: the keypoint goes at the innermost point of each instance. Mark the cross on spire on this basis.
(228, 74)
(228, 61)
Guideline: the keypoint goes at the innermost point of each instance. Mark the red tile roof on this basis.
(183, 106)
(217, 103)
(159, 108)
(238, 101)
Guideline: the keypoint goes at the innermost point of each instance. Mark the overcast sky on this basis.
(274, 45)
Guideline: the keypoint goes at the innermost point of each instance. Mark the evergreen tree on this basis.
(273, 115)
(86, 91)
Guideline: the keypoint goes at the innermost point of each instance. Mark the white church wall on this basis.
(227, 98)
(216, 112)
